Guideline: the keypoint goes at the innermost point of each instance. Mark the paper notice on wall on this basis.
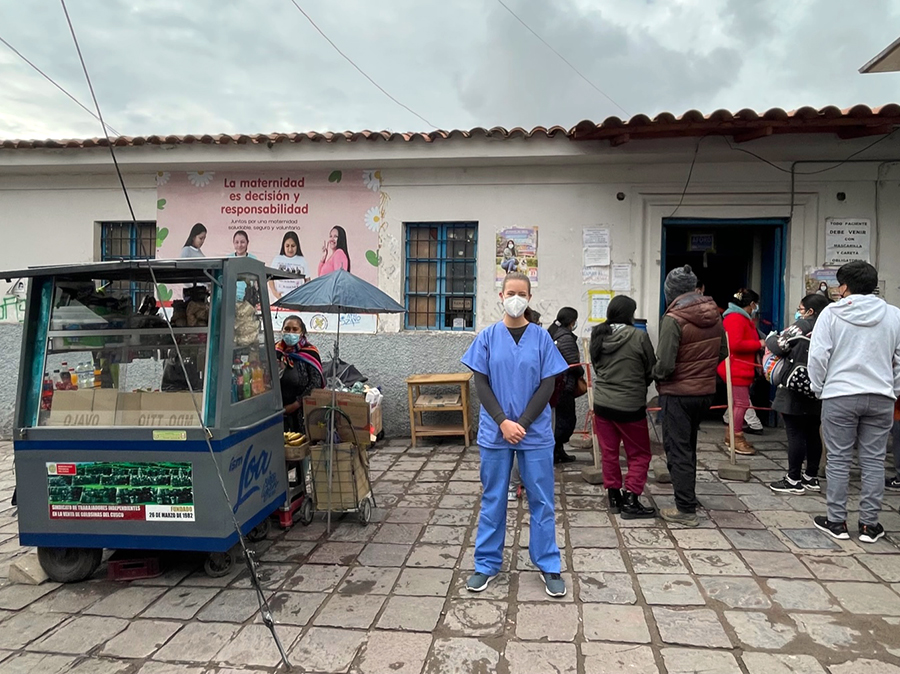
(597, 276)
(621, 277)
(517, 251)
(846, 239)
(596, 247)
(598, 302)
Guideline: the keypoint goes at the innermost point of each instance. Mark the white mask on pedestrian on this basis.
(515, 306)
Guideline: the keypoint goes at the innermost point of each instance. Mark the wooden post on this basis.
(730, 390)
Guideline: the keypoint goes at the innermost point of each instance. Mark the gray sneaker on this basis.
(478, 582)
(675, 516)
(554, 584)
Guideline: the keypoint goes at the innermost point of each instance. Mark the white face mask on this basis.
(515, 306)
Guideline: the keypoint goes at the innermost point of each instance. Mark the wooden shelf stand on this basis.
(419, 403)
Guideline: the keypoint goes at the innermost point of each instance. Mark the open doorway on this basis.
(727, 255)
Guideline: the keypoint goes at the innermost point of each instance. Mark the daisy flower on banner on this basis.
(374, 218)
(200, 178)
(162, 177)
(372, 180)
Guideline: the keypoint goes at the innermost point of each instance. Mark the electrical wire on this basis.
(690, 173)
(58, 86)
(265, 611)
(563, 58)
(360, 70)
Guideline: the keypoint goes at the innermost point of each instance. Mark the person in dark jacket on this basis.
(802, 414)
(623, 361)
(691, 345)
(563, 334)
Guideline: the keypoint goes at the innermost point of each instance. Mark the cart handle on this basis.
(239, 429)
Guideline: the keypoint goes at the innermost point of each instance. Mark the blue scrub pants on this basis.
(536, 469)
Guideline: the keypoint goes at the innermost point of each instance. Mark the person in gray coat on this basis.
(623, 361)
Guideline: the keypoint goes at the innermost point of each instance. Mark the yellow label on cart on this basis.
(170, 435)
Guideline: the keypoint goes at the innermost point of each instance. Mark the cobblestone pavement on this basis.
(756, 589)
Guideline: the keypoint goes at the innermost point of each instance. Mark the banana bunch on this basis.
(294, 439)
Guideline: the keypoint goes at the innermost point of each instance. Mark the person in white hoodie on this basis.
(854, 369)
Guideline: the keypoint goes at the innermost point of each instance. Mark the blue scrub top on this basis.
(515, 372)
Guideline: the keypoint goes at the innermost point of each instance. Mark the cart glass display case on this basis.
(123, 419)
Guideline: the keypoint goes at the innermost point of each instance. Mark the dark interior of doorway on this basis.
(724, 254)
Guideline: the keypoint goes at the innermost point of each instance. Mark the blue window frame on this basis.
(440, 275)
(129, 241)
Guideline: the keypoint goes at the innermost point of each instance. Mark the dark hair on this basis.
(240, 232)
(860, 277)
(745, 297)
(196, 231)
(564, 318)
(292, 236)
(295, 317)
(342, 243)
(621, 310)
(816, 302)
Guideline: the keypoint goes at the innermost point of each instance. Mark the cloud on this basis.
(222, 66)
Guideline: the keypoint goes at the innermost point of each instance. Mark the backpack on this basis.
(785, 372)
(773, 367)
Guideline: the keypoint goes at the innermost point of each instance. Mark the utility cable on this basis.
(360, 70)
(564, 59)
(264, 608)
(53, 82)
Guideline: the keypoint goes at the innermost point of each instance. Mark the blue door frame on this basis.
(773, 263)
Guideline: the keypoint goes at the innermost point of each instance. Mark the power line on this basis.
(361, 71)
(564, 59)
(51, 81)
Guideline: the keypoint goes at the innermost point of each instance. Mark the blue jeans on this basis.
(864, 421)
(536, 469)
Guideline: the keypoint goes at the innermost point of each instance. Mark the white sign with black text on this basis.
(846, 239)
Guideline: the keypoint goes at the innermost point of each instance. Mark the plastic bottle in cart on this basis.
(64, 376)
(87, 376)
(248, 377)
(258, 386)
(47, 393)
(73, 377)
(98, 374)
(237, 382)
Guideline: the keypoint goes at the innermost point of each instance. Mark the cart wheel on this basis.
(260, 531)
(306, 512)
(365, 511)
(218, 564)
(69, 565)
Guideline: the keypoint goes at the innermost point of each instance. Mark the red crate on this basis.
(133, 569)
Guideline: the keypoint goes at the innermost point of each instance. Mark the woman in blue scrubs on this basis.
(515, 364)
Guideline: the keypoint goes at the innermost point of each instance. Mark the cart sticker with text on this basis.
(148, 492)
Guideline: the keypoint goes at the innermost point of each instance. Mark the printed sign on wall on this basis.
(517, 251)
(846, 239)
(305, 222)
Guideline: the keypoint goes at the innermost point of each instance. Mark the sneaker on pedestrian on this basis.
(892, 483)
(787, 486)
(478, 582)
(836, 530)
(810, 483)
(554, 584)
(511, 493)
(675, 516)
(870, 533)
(752, 430)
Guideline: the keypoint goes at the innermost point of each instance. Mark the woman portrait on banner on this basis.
(290, 259)
(515, 364)
(510, 262)
(299, 371)
(195, 241)
(335, 254)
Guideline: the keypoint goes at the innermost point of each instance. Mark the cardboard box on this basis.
(74, 408)
(354, 405)
(158, 409)
(349, 478)
(437, 400)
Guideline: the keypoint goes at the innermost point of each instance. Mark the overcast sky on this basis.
(230, 66)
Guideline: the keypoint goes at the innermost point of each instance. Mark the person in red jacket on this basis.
(745, 346)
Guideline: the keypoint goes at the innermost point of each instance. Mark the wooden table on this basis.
(419, 404)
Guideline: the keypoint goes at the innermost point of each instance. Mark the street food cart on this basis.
(122, 440)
